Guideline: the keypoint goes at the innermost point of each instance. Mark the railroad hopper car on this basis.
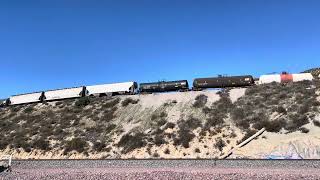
(67, 93)
(26, 98)
(222, 82)
(285, 78)
(112, 89)
(164, 86)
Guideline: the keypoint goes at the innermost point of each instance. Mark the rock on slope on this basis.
(168, 125)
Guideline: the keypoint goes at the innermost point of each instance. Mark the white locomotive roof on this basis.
(109, 88)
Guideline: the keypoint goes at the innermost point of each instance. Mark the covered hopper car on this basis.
(66, 93)
(164, 86)
(223, 82)
(26, 98)
(112, 89)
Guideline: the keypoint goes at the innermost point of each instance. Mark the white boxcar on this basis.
(302, 77)
(25, 98)
(63, 93)
(264, 79)
(126, 87)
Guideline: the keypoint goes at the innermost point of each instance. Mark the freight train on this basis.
(162, 86)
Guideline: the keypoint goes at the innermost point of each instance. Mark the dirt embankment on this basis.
(168, 125)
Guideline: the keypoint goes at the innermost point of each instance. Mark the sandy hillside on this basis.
(195, 124)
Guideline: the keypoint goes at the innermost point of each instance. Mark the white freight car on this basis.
(285, 78)
(26, 98)
(109, 89)
(302, 77)
(64, 93)
(265, 79)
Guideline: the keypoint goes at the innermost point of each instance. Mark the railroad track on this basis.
(163, 169)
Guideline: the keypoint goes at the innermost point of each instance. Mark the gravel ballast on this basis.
(163, 169)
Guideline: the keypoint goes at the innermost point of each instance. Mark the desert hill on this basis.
(314, 71)
(195, 124)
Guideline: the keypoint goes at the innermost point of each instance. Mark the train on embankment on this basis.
(131, 88)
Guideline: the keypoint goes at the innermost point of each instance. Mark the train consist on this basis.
(162, 86)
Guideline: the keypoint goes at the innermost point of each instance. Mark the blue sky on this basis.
(66, 43)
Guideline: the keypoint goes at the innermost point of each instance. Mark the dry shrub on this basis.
(41, 144)
(270, 126)
(316, 123)
(82, 102)
(28, 110)
(76, 144)
(281, 110)
(169, 125)
(109, 128)
(128, 101)
(99, 146)
(185, 134)
(220, 144)
(159, 140)
(304, 130)
(155, 155)
(200, 101)
(111, 103)
(167, 151)
(296, 121)
(130, 142)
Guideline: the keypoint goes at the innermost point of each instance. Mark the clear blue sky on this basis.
(62, 43)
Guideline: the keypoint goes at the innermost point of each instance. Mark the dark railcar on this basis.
(222, 82)
(2, 102)
(164, 86)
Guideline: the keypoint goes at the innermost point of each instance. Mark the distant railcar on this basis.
(2, 102)
(25, 98)
(112, 89)
(67, 93)
(223, 82)
(285, 78)
(164, 86)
